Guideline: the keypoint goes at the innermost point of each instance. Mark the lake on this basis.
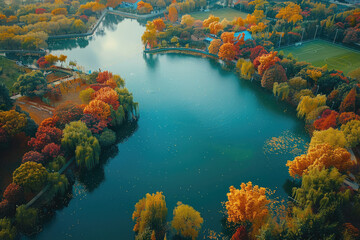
(201, 130)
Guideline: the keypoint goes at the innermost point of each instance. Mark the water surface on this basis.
(201, 130)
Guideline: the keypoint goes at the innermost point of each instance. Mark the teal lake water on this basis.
(201, 129)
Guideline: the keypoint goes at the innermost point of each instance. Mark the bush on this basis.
(107, 138)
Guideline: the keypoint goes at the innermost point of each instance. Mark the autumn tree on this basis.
(266, 61)
(320, 156)
(33, 156)
(187, 20)
(26, 218)
(150, 213)
(173, 14)
(215, 46)
(98, 109)
(209, 20)
(51, 59)
(86, 95)
(328, 119)
(31, 176)
(290, 13)
(45, 136)
(31, 84)
(8, 231)
(247, 204)
(281, 90)
(109, 96)
(159, 24)
(215, 27)
(5, 101)
(331, 136)
(59, 11)
(14, 194)
(95, 125)
(104, 76)
(144, 7)
(12, 122)
(67, 112)
(51, 151)
(348, 104)
(347, 116)
(107, 138)
(227, 52)
(187, 221)
(78, 139)
(257, 51)
(309, 104)
(275, 73)
(352, 132)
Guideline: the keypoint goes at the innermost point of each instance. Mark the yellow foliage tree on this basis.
(290, 13)
(215, 27)
(187, 20)
(85, 95)
(12, 122)
(352, 132)
(187, 221)
(150, 212)
(308, 104)
(331, 136)
(249, 203)
(209, 20)
(320, 156)
(314, 74)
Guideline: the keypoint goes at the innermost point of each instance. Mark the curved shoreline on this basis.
(182, 50)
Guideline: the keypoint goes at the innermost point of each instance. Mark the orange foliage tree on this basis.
(227, 52)
(266, 61)
(291, 13)
(348, 104)
(173, 14)
(159, 24)
(144, 7)
(59, 11)
(327, 120)
(228, 37)
(209, 20)
(320, 156)
(249, 203)
(103, 76)
(113, 3)
(98, 109)
(347, 117)
(214, 46)
(109, 96)
(215, 27)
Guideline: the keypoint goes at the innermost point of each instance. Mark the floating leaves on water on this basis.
(286, 143)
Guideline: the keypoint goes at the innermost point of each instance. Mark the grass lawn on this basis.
(227, 13)
(9, 72)
(320, 52)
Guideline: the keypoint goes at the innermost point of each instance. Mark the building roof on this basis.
(247, 35)
(207, 39)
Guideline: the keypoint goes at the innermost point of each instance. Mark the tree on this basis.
(159, 24)
(327, 120)
(67, 112)
(31, 84)
(187, 20)
(215, 27)
(297, 83)
(6, 102)
(249, 203)
(126, 100)
(26, 218)
(51, 151)
(347, 116)
(44, 136)
(7, 230)
(355, 74)
(187, 221)
(77, 138)
(59, 11)
(227, 52)
(12, 122)
(240, 234)
(348, 104)
(86, 95)
(107, 138)
(352, 132)
(144, 7)
(256, 52)
(281, 90)
(104, 76)
(62, 58)
(266, 61)
(309, 104)
(331, 136)
(209, 20)
(51, 59)
(98, 109)
(275, 73)
(290, 13)
(95, 125)
(31, 176)
(214, 46)
(320, 156)
(33, 156)
(173, 14)
(14, 194)
(150, 212)
(109, 96)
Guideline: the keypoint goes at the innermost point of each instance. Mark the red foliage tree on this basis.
(68, 112)
(256, 52)
(103, 76)
(33, 156)
(14, 194)
(109, 96)
(240, 234)
(40, 10)
(275, 73)
(49, 122)
(44, 136)
(347, 117)
(51, 151)
(6, 209)
(327, 120)
(42, 63)
(348, 104)
(97, 86)
(94, 124)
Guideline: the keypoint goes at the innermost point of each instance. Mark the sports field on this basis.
(227, 13)
(320, 52)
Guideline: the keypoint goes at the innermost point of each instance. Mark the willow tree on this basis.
(126, 100)
(26, 218)
(331, 136)
(59, 184)
(281, 90)
(78, 139)
(308, 104)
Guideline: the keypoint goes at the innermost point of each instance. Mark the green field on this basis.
(227, 13)
(320, 52)
(9, 72)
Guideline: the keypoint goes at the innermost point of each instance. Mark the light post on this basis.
(317, 26)
(302, 35)
(280, 40)
(335, 35)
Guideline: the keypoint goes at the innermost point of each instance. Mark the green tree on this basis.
(107, 138)
(85, 95)
(26, 218)
(31, 176)
(7, 231)
(31, 84)
(187, 221)
(5, 101)
(78, 139)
